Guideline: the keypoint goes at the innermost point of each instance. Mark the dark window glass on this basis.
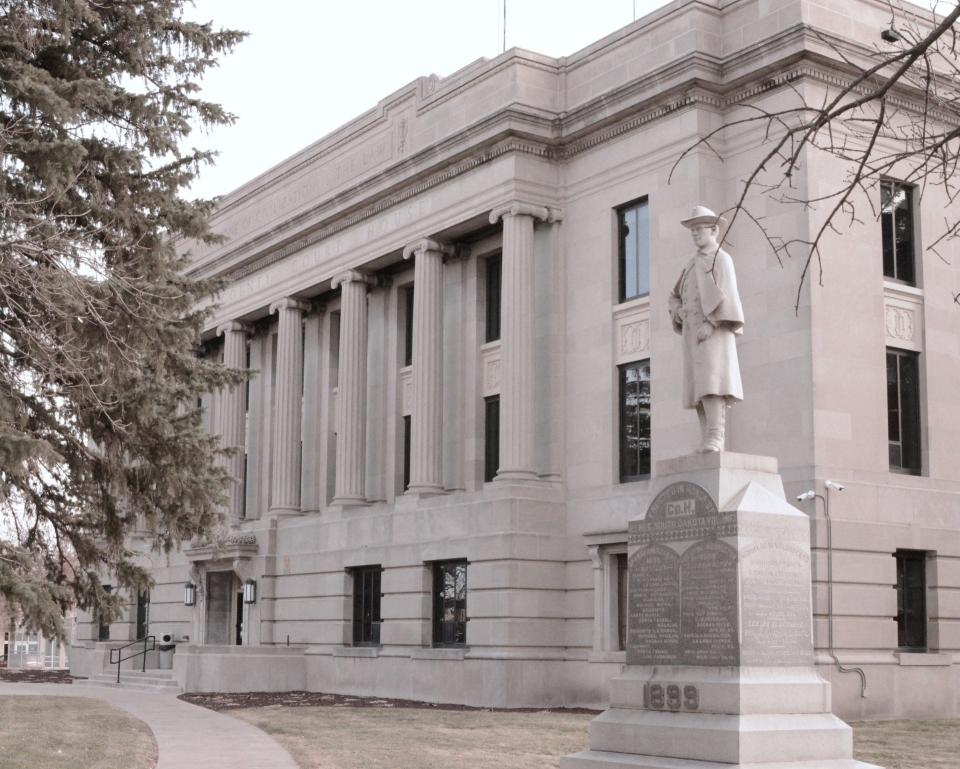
(903, 410)
(407, 325)
(366, 606)
(103, 628)
(450, 603)
(491, 437)
(622, 600)
(494, 267)
(634, 421)
(634, 231)
(896, 221)
(143, 613)
(406, 452)
(911, 599)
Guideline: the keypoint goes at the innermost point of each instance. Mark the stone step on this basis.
(150, 681)
(598, 759)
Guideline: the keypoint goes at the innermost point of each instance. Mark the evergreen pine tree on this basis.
(100, 429)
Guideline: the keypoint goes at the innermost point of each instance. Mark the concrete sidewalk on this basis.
(188, 736)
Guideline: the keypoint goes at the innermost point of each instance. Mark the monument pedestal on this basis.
(720, 647)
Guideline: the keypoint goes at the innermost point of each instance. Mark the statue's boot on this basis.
(713, 423)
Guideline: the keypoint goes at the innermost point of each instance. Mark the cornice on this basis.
(686, 94)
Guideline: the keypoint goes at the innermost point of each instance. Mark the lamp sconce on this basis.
(189, 594)
(250, 591)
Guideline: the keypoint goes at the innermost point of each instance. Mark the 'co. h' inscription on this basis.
(682, 512)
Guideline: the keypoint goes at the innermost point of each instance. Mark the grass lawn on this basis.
(908, 744)
(411, 738)
(39, 732)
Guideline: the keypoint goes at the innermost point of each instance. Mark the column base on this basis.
(346, 501)
(518, 477)
(283, 512)
(425, 489)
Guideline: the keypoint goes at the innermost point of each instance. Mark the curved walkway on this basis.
(188, 736)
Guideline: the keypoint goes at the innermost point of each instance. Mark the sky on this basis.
(309, 66)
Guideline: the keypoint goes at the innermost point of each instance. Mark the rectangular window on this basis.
(633, 226)
(903, 410)
(407, 292)
(406, 452)
(912, 600)
(103, 628)
(634, 409)
(491, 437)
(492, 309)
(366, 606)
(143, 613)
(622, 600)
(450, 603)
(896, 220)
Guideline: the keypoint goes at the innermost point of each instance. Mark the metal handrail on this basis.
(143, 652)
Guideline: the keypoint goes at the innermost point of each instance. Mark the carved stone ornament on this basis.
(899, 322)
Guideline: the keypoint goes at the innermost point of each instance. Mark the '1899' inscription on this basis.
(671, 697)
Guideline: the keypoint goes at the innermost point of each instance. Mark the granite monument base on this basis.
(719, 647)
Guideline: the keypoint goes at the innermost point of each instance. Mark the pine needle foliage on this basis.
(100, 427)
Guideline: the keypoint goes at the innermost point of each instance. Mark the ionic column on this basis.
(233, 412)
(517, 393)
(349, 484)
(285, 477)
(426, 438)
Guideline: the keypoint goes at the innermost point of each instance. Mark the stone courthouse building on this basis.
(456, 309)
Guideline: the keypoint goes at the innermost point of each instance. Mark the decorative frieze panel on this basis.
(631, 325)
(903, 317)
(490, 368)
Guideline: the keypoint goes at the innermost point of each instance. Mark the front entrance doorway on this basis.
(224, 614)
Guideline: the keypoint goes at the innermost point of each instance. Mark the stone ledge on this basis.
(608, 656)
(923, 659)
(356, 651)
(439, 654)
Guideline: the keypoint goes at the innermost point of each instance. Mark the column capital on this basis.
(235, 326)
(523, 208)
(425, 245)
(288, 304)
(351, 276)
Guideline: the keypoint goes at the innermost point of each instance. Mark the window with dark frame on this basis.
(143, 613)
(634, 407)
(407, 325)
(622, 600)
(406, 451)
(450, 603)
(633, 227)
(366, 605)
(492, 308)
(897, 226)
(903, 410)
(246, 433)
(103, 628)
(491, 437)
(912, 599)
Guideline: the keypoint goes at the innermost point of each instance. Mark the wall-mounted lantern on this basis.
(189, 594)
(249, 591)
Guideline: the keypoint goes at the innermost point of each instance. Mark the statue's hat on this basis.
(703, 215)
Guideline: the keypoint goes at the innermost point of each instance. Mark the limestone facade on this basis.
(528, 159)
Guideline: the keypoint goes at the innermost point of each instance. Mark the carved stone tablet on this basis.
(708, 598)
(775, 578)
(654, 606)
